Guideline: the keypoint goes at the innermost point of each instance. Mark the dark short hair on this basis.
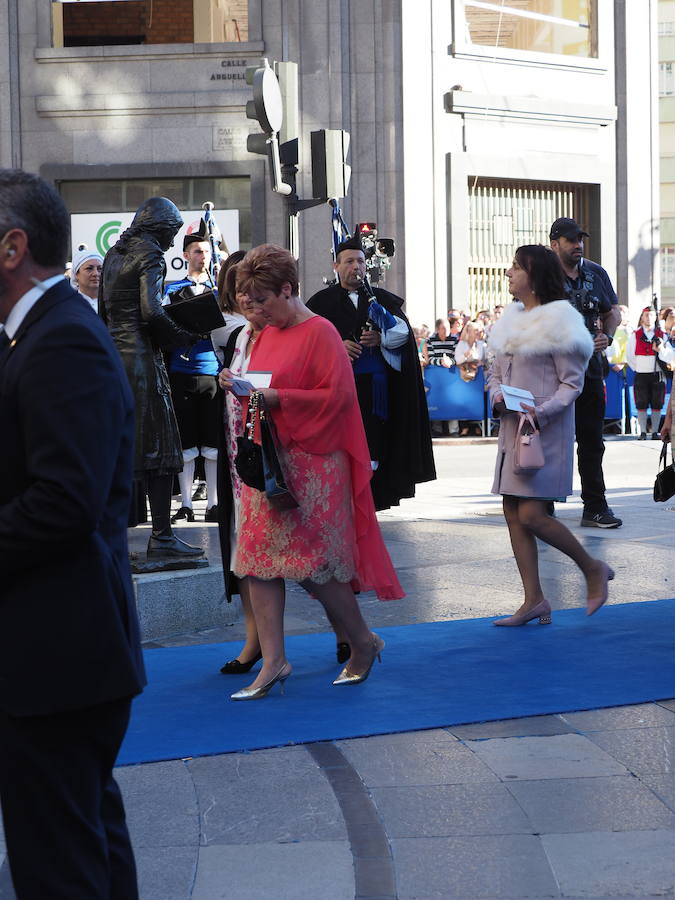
(226, 281)
(194, 238)
(267, 268)
(31, 204)
(544, 271)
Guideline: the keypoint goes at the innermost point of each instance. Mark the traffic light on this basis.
(330, 172)
(266, 108)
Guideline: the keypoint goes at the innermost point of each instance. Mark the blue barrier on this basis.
(615, 396)
(448, 397)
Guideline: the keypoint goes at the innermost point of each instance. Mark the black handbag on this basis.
(198, 313)
(277, 491)
(249, 460)
(259, 465)
(664, 486)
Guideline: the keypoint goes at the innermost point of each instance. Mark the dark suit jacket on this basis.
(69, 634)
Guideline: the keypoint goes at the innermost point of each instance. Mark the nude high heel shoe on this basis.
(593, 604)
(260, 692)
(347, 677)
(541, 611)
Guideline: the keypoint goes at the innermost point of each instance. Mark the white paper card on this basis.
(513, 397)
(254, 381)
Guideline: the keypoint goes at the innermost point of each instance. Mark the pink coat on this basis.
(544, 350)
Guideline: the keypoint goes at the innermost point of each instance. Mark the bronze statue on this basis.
(130, 302)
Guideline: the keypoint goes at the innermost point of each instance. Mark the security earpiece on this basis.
(11, 251)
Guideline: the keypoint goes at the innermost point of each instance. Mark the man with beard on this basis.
(70, 656)
(131, 305)
(380, 343)
(589, 290)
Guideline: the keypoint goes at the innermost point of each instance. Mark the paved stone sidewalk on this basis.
(574, 805)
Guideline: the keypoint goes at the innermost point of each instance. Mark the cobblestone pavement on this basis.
(574, 805)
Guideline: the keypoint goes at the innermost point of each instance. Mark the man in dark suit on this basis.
(70, 658)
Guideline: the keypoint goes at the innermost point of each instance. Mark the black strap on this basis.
(663, 459)
(228, 349)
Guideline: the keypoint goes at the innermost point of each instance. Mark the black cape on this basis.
(409, 458)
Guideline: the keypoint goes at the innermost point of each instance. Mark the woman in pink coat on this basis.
(542, 345)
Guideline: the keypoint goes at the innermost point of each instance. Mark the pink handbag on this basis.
(529, 454)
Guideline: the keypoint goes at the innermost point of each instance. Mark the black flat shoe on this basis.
(200, 491)
(343, 652)
(234, 667)
(185, 512)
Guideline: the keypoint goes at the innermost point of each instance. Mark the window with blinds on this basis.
(505, 214)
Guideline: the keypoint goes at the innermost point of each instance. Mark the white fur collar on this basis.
(552, 327)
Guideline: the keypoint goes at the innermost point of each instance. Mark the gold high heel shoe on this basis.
(260, 692)
(347, 677)
(541, 611)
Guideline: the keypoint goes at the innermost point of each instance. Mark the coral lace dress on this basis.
(334, 532)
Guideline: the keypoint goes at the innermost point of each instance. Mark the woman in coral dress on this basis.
(331, 543)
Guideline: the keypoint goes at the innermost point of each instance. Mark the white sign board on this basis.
(99, 231)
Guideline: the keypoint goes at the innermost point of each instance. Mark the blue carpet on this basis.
(432, 675)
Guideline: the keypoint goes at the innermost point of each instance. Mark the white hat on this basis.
(80, 257)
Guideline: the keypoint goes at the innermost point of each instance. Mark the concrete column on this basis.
(637, 154)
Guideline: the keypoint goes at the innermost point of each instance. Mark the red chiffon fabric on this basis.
(318, 421)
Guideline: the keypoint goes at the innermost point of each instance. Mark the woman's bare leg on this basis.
(251, 646)
(268, 599)
(342, 608)
(525, 552)
(534, 518)
(340, 633)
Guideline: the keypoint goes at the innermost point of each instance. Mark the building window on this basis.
(94, 23)
(665, 79)
(505, 214)
(668, 266)
(535, 26)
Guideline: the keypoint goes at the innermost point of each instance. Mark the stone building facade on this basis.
(466, 137)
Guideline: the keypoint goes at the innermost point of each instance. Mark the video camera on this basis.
(379, 252)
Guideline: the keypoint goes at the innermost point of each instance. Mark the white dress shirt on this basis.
(23, 306)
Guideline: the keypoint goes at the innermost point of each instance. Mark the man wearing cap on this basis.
(193, 375)
(589, 290)
(383, 351)
(85, 274)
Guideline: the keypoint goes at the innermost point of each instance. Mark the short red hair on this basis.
(267, 268)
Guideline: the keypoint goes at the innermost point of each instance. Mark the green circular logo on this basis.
(105, 235)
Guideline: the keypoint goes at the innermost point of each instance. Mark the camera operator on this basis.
(645, 354)
(589, 290)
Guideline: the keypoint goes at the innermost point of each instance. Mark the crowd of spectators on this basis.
(461, 341)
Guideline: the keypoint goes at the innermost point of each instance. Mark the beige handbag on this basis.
(529, 454)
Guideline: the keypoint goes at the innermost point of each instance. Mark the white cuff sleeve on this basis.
(396, 336)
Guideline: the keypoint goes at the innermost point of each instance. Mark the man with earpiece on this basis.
(70, 656)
